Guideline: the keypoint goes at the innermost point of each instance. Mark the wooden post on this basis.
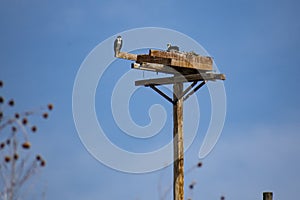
(267, 196)
(178, 170)
(186, 67)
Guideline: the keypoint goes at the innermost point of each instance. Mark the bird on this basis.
(118, 45)
(172, 48)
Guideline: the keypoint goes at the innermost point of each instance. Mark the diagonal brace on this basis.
(187, 90)
(194, 90)
(185, 94)
(162, 94)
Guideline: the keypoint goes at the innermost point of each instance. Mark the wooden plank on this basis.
(188, 60)
(155, 68)
(181, 79)
(178, 55)
(179, 62)
(178, 148)
(151, 59)
(127, 56)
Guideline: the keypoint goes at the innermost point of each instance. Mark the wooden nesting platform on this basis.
(186, 67)
(181, 79)
(169, 62)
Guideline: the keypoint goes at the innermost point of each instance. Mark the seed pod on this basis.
(7, 159)
(34, 129)
(17, 115)
(199, 164)
(45, 115)
(1, 83)
(50, 106)
(16, 156)
(38, 157)
(11, 102)
(26, 145)
(24, 121)
(2, 145)
(13, 129)
(1, 99)
(43, 163)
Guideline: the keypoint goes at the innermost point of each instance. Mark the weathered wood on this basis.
(152, 59)
(153, 67)
(127, 56)
(186, 67)
(162, 94)
(184, 63)
(187, 60)
(267, 196)
(194, 90)
(181, 79)
(178, 152)
(174, 62)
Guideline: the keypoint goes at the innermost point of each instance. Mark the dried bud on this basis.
(24, 121)
(11, 102)
(16, 156)
(38, 157)
(14, 129)
(45, 115)
(199, 164)
(50, 106)
(26, 145)
(43, 163)
(1, 99)
(17, 115)
(34, 129)
(7, 159)
(2, 145)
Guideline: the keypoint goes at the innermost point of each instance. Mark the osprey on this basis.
(118, 45)
(172, 48)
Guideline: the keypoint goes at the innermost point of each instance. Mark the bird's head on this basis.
(119, 38)
(168, 45)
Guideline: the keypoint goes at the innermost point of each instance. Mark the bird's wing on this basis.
(115, 44)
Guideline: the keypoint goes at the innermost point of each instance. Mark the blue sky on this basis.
(255, 43)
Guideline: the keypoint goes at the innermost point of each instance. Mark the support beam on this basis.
(178, 167)
(154, 68)
(127, 56)
(181, 79)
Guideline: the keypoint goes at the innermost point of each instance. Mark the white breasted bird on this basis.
(172, 48)
(118, 45)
